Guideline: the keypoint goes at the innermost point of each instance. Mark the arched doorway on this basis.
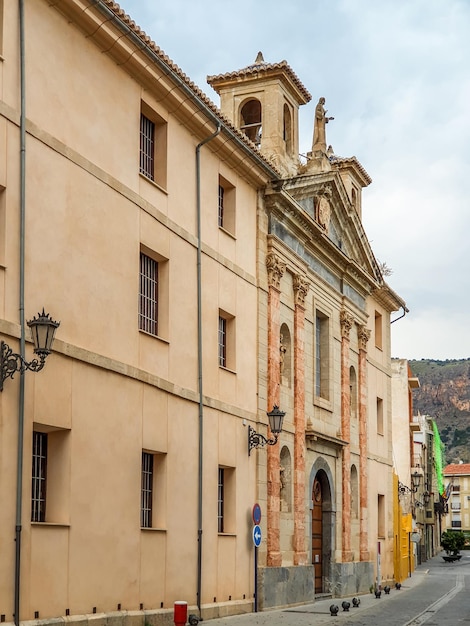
(322, 527)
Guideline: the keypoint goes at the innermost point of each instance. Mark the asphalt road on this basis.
(437, 593)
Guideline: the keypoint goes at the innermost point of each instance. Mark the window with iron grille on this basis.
(221, 206)
(220, 501)
(148, 295)
(39, 475)
(222, 342)
(146, 499)
(147, 147)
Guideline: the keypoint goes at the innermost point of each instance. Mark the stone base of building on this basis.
(157, 617)
(285, 586)
(351, 578)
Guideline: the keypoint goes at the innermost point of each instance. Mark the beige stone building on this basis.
(201, 275)
(136, 485)
(325, 336)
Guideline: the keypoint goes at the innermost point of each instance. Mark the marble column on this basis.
(301, 287)
(346, 321)
(275, 269)
(363, 335)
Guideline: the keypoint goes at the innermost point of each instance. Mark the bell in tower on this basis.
(262, 100)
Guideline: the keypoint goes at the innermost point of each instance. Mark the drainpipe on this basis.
(405, 311)
(19, 459)
(199, 362)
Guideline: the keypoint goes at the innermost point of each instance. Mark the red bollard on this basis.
(180, 614)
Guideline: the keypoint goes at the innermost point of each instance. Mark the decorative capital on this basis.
(363, 336)
(301, 287)
(346, 321)
(276, 269)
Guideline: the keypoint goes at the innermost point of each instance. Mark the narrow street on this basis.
(436, 593)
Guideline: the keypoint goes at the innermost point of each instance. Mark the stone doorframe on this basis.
(329, 512)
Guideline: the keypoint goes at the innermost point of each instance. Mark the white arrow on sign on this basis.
(257, 535)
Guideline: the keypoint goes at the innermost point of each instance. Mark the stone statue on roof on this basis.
(319, 132)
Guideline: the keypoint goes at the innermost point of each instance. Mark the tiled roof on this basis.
(457, 468)
(136, 30)
(266, 68)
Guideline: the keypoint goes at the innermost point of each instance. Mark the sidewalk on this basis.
(319, 611)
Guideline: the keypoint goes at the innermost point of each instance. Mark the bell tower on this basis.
(262, 100)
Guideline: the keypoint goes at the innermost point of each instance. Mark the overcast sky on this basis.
(396, 78)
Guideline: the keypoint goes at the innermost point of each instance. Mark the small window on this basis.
(226, 213)
(322, 359)
(378, 330)
(226, 340)
(146, 491)
(39, 477)
(220, 500)
(153, 146)
(287, 130)
(226, 500)
(152, 490)
(148, 295)
(250, 122)
(381, 516)
(147, 147)
(50, 478)
(380, 416)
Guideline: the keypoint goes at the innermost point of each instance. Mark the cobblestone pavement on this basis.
(436, 593)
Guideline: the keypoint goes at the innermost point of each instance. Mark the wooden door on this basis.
(317, 535)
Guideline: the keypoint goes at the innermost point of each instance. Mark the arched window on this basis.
(250, 120)
(354, 493)
(287, 129)
(285, 355)
(286, 480)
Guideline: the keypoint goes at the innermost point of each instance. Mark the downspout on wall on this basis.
(199, 364)
(19, 460)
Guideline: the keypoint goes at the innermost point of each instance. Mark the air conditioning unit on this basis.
(468, 497)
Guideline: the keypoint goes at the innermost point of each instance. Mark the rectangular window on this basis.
(322, 364)
(220, 501)
(221, 206)
(380, 416)
(226, 518)
(222, 342)
(153, 146)
(381, 516)
(147, 147)
(226, 213)
(378, 330)
(148, 295)
(226, 340)
(146, 498)
(39, 477)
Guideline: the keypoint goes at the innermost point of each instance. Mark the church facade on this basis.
(324, 353)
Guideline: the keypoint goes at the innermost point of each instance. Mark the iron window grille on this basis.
(221, 206)
(147, 147)
(220, 501)
(146, 491)
(222, 342)
(39, 476)
(148, 295)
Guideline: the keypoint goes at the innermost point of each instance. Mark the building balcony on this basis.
(455, 506)
(456, 524)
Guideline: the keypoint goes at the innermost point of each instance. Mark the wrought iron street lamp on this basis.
(415, 483)
(256, 440)
(42, 332)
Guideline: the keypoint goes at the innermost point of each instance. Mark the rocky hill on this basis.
(444, 394)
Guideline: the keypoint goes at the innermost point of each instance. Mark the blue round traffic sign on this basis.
(256, 514)
(257, 535)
